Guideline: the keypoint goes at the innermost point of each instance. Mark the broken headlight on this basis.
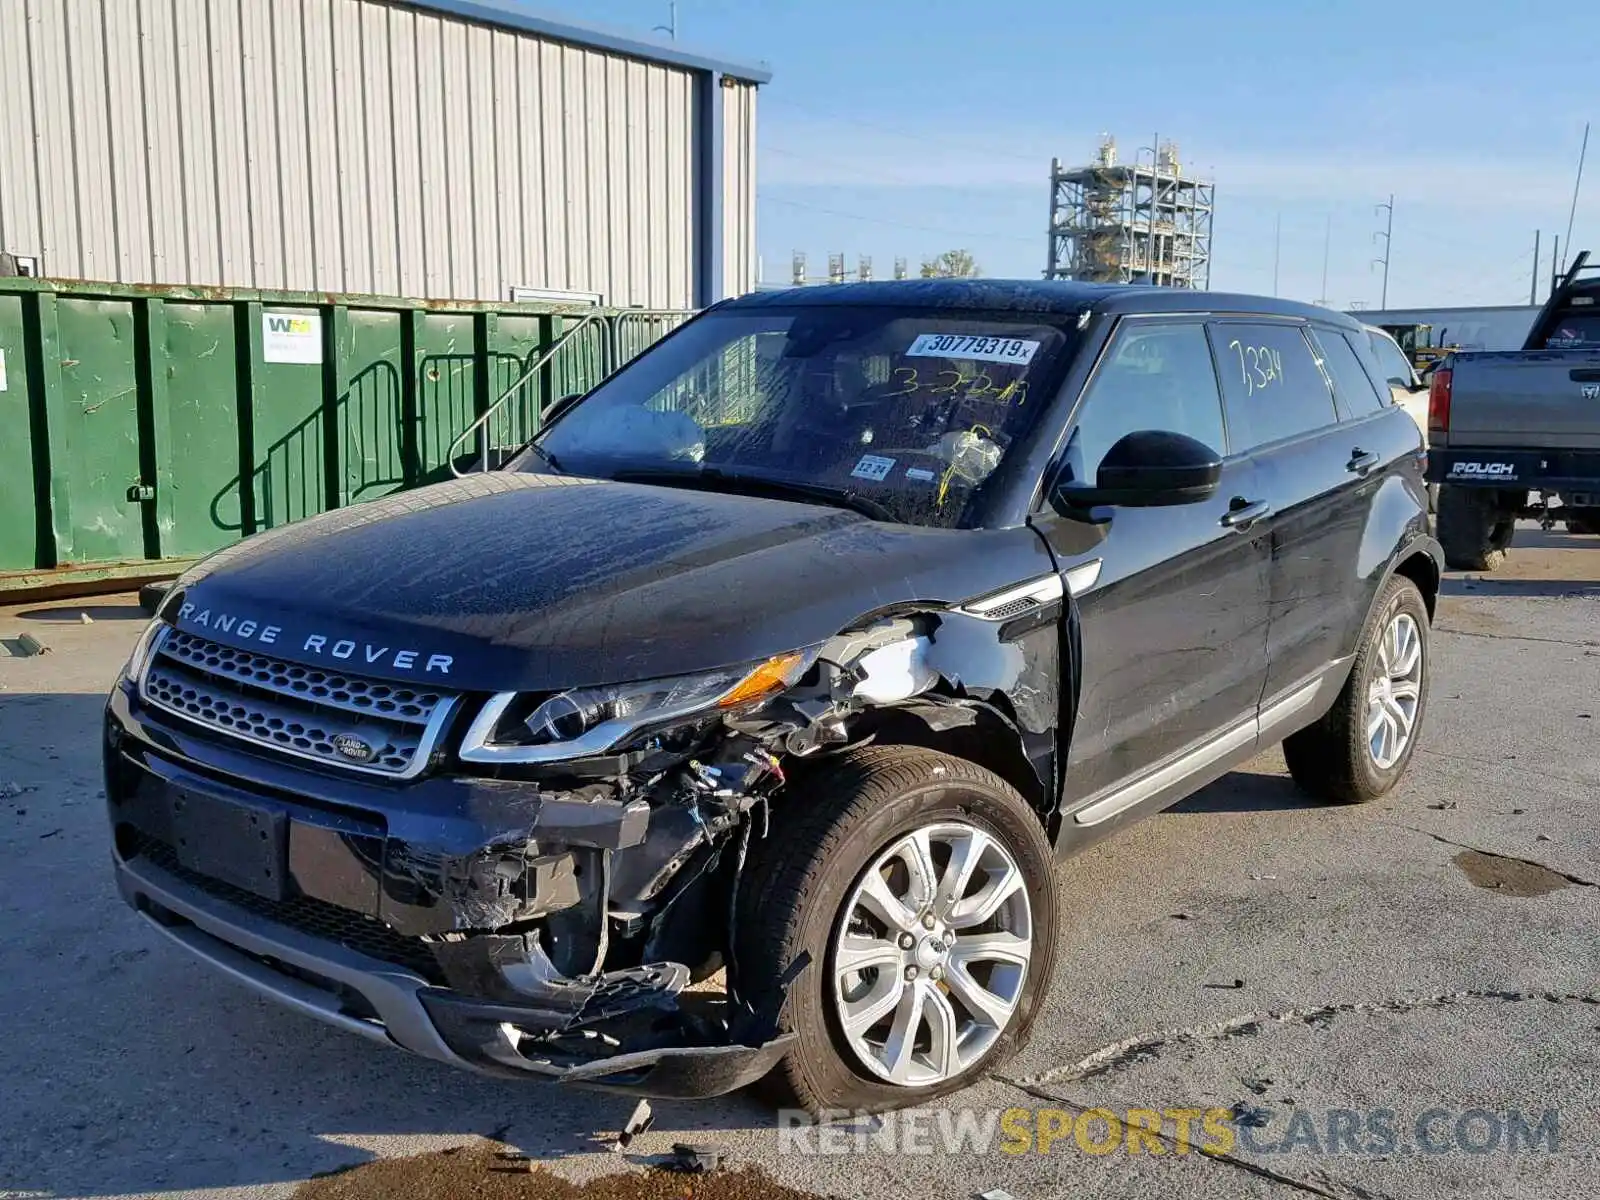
(517, 728)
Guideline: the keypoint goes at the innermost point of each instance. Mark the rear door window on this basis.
(1351, 383)
(1272, 385)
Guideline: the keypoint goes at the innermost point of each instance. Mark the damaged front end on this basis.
(555, 895)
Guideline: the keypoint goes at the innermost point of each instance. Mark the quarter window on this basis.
(1351, 383)
(1396, 368)
(1155, 376)
(1272, 384)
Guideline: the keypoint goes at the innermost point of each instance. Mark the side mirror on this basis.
(1148, 469)
(557, 407)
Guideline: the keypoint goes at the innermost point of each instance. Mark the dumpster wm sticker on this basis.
(291, 338)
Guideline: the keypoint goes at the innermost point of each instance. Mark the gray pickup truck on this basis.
(1516, 434)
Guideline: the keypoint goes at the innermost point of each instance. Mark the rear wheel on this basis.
(1473, 529)
(915, 893)
(1359, 750)
(1584, 520)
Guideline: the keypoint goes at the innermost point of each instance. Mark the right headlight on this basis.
(516, 728)
(142, 649)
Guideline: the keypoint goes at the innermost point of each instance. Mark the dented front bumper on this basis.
(380, 910)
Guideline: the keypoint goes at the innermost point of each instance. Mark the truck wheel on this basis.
(906, 900)
(1472, 529)
(1584, 520)
(1359, 750)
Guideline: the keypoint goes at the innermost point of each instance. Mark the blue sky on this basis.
(894, 127)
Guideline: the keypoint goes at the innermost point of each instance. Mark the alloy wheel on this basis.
(1395, 692)
(930, 954)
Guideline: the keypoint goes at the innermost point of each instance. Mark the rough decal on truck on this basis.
(1483, 470)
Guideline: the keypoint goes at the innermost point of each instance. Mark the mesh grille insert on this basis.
(318, 918)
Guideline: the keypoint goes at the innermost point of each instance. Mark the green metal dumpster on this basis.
(142, 427)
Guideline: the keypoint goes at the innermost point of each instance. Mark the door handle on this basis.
(1243, 513)
(1361, 461)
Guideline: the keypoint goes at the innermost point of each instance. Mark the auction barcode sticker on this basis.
(982, 348)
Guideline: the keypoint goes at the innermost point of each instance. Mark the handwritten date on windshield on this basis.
(1260, 366)
(950, 382)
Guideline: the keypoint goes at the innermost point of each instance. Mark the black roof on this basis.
(1039, 295)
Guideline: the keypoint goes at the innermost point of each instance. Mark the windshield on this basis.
(901, 414)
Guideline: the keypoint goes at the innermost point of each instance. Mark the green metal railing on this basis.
(142, 427)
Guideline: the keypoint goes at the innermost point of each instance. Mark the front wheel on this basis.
(1359, 750)
(906, 900)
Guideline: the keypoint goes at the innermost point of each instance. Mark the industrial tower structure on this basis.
(1138, 223)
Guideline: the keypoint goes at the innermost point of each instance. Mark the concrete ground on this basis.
(1388, 1001)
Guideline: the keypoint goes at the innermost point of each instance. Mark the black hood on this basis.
(513, 581)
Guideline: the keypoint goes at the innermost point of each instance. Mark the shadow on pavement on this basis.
(1488, 585)
(1243, 791)
(73, 614)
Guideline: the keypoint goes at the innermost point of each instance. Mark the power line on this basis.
(942, 138)
(849, 216)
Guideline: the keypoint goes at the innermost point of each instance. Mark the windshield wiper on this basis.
(713, 479)
(550, 460)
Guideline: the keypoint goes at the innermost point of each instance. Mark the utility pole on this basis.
(670, 29)
(1327, 243)
(1578, 182)
(1277, 248)
(1387, 234)
(1533, 288)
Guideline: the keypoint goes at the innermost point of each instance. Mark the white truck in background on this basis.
(1406, 388)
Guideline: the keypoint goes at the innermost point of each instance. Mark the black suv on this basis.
(785, 662)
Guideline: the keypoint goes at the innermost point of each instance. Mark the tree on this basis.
(952, 264)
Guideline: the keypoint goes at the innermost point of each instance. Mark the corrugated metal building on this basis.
(437, 148)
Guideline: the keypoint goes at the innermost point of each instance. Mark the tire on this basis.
(1472, 529)
(799, 887)
(1584, 520)
(1334, 759)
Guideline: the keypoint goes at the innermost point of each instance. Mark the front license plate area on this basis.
(238, 843)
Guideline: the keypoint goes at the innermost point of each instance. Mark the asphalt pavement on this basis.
(1396, 1000)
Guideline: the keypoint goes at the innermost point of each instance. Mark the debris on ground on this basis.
(640, 1120)
(696, 1158)
(491, 1171)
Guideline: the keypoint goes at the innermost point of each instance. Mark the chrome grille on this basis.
(312, 684)
(296, 709)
